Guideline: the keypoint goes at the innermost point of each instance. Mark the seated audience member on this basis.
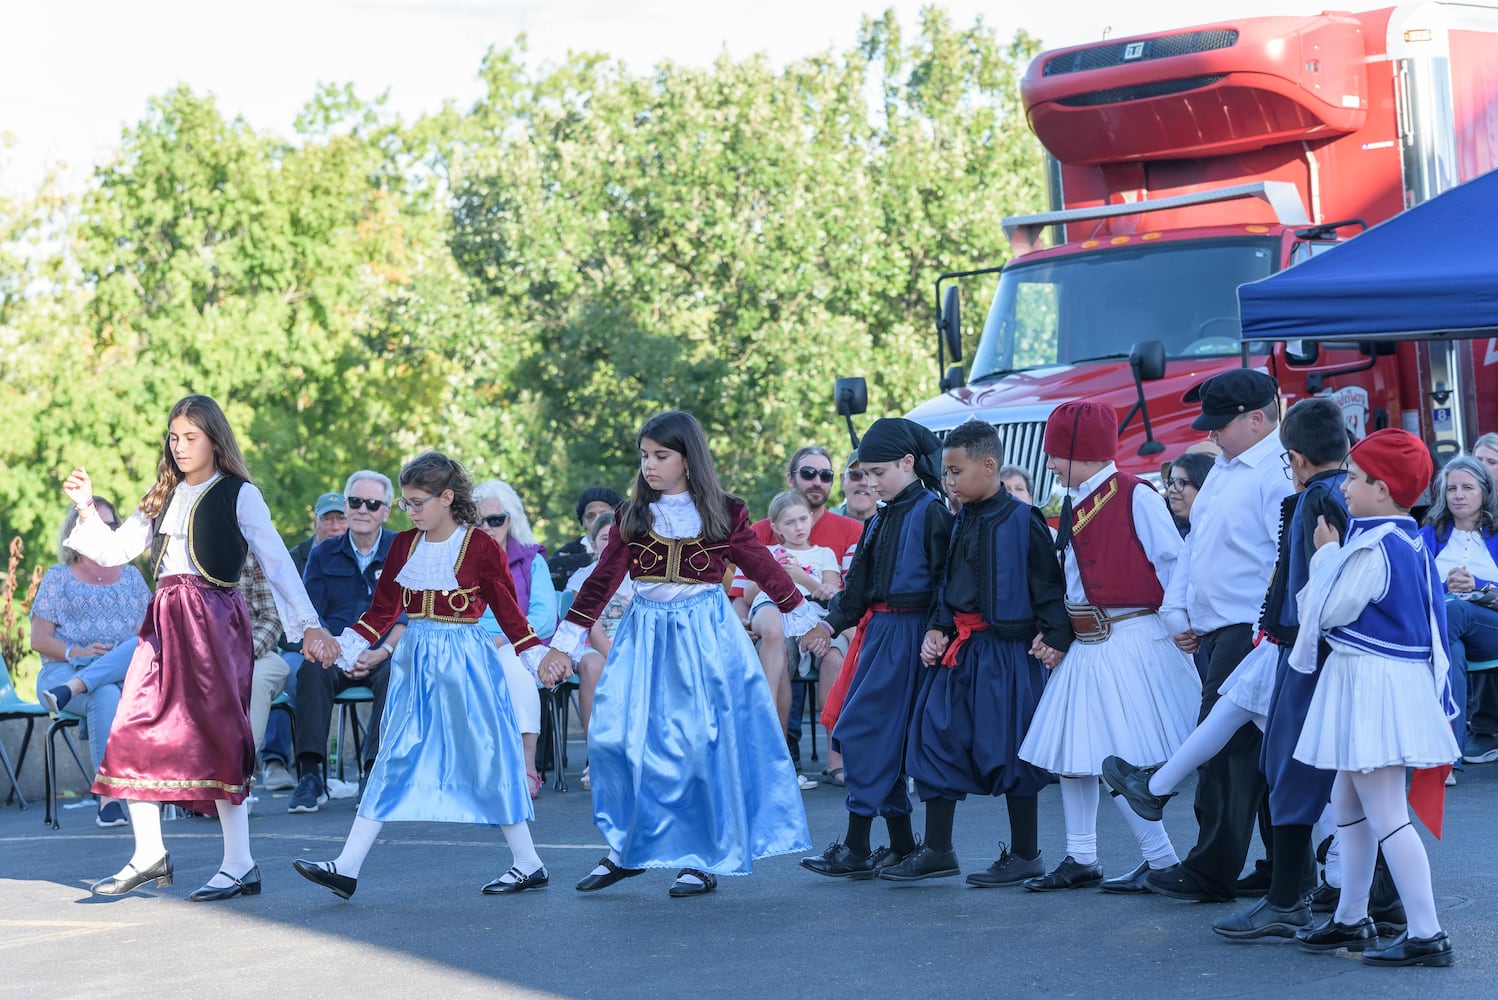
(601, 635)
(858, 499)
(84, 623)
(1017, 481)
(502, 518)
(329, 520)
(340, 578)
(1183, 481)
(576, 554)
(1485, 450)
(1461, 528)
(270, 672)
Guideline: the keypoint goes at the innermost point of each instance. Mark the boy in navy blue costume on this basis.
(893, 577)
(1000, 605)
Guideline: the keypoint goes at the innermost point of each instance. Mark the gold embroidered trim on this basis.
(1082, 515)
(698, 558)
(163, 783)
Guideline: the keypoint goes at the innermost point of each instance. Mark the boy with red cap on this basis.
(1383, 699)
(1123, 688)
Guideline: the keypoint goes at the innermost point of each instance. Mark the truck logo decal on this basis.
(1491, 358)
(1353, 399)
(1133, 50)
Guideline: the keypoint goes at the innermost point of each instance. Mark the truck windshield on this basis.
(1098, 304)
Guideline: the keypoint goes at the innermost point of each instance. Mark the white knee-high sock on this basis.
(522, 848)
(1154, 842)
(234, 821)
(1202, 745)
(361, 838)
(1079, 806)
(145, 823)
(1382, 795)
(1359, 851)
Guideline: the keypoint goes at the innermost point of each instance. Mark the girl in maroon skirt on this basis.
(182, 732)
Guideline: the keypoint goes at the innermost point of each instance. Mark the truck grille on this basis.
(1023, 446)
(1158, 88)
(1112, 53)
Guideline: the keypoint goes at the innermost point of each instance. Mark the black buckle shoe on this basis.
(1135, 881)
(1405, 950)
(1010, 869)
(1330, 936)
(922, 863)
(1069, 874)
(1133, 783)
(1263, 919)
(838, 861)
(680, 889)
(519, 881)
(134, 878)
(247, 884)
(327, 877)
(613, 873)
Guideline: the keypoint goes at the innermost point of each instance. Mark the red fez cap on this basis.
(1400, 459)
(1083, 430)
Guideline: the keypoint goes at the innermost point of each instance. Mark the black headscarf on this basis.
(593, 494)
(890, 439)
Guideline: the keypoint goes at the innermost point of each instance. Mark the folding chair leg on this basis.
(15, 780)
(49, 758)
(559, 737)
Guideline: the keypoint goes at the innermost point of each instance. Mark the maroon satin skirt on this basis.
(182, 731)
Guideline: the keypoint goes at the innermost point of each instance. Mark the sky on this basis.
(74, 73)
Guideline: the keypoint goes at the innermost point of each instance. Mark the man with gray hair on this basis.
(340, 578)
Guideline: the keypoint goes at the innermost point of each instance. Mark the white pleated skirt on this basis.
(1375, 711)
(1135, 695)
(1251, 684)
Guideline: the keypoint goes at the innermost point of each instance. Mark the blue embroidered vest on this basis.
(1396, 623)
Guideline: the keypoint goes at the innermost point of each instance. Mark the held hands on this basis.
(367, 661)
(1460, 581)
(555, 667)
(78, 488)
(824, 591)
(1047, 655)
(318, 644)
(1187, 642)
(817, 641)
(92, 649)
(933, 646)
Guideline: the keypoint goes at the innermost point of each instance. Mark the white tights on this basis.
(362, 834)
(1210, 736)
(233, 821)
(1371, 812)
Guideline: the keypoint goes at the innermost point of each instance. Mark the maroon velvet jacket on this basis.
(653, 559)
(1116, 572)
(483, 573)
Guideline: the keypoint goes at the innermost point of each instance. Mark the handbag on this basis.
(1487, 597)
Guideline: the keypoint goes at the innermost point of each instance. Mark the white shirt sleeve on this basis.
(92, 538)
(292, 603)
(1162, 543)
(1363, 579)
(570, 638)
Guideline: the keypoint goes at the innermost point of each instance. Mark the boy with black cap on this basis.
(1124, 688)
(1234, 541)
(889, 592)
(578, 553)
(1383, 697)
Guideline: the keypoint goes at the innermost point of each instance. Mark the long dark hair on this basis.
(433, 472)
(207, 417)
(680, 432)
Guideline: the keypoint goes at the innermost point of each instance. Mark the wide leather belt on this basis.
(1092, 624)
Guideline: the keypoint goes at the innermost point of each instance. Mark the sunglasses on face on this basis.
(354, 503)
(496, 520)
(856, 475)
(808, 474)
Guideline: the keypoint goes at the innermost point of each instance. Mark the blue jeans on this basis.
(1473, 635)
(104, 676)
(278, 729)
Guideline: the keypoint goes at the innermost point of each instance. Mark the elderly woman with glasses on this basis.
(1183, 481)
(84, 623)
(502, 518)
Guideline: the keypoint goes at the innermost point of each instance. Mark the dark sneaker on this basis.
(1010, 869)
(1330, 936)
(111, 813)
(1133, 783)
(840, 862)
(1069, 874)
(1482, 748)
(1177, 883)
(922, 863)
(56, 699)
(1263, 919)
(309, 794)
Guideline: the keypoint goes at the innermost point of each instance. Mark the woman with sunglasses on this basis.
(502, 518)
(1183, 481)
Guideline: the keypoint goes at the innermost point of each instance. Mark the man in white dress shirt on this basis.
(1225, 572)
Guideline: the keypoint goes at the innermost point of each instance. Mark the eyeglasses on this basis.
(856, 475)
(409, 505)
(496, 520)
(809, 474)
(1179, 485)
(1285, 460)
(354, 503)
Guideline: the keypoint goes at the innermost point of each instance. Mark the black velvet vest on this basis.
(215, 546)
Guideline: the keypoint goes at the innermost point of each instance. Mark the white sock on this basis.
(145, 823)
(1202, 745)
(234, 821)
(690, 879)
(1359, 851)
(613, 859)
(361, 838)
(1154, 842)
(522, 848)
(1079, 806)
(1383, 797)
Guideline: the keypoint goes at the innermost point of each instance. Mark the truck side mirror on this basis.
(953, 379)
(949, 323)
(1147, 358)
(851, 395)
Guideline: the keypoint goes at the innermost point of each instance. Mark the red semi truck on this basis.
(1187, 162)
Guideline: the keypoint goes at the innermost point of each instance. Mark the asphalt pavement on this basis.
(419, 927)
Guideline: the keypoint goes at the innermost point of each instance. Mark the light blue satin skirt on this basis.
(450, 749)
(688, 764)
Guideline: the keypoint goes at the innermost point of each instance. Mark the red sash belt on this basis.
(967, 623)
(832, 706)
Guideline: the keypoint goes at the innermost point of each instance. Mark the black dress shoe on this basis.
(1405, 950)
(1069, 874)
(884, 857)
(1133, 783)
(1255, 883)
(134, 878)
(1324, 898)
(1177, 883)
(613, 873)
(328, 878)
(923, 863)
(681, 888)
(1132, 882)
(838, 861)
(247, 884)
(1330, 936)
(519, 881)
(1263, 919)
(1010, 869)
